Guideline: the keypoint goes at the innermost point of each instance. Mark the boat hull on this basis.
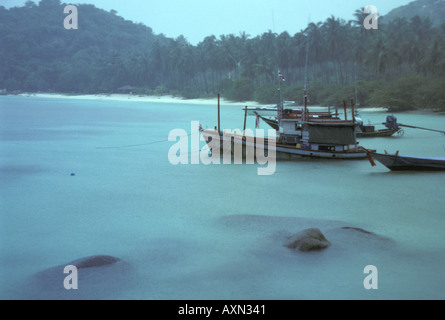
(378, 133)
(264, 112)
(395, 162)
(251, 146)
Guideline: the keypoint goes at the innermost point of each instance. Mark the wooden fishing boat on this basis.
(271, 111)
(371, 132)
(273, 123)
(327, 141)
(362, 131)
(396, 162)
(304, 136)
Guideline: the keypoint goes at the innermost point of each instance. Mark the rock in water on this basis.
(308, 240)
(94, 261)
(357, 229)
(98, 277)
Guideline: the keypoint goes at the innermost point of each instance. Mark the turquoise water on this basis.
(206, 231)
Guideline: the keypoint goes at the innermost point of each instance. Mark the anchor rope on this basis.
(144, 144)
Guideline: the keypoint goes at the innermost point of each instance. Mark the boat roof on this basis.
(331, 123)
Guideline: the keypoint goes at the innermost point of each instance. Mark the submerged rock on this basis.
(357, 229)
(354, 236)
(94, 261)
(98, 277)
(308, 240)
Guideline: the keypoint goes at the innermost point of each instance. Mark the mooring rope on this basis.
(143, 144)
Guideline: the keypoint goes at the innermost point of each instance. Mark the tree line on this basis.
(401, 65)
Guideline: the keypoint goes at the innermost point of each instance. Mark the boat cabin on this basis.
(329, 136)
(290, 131)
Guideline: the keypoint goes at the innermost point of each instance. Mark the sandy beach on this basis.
(138, 98)
(168, 99)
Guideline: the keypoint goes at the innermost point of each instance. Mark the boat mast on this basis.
(219, 115)
(280, 102)
(356, 114)
(306, 116)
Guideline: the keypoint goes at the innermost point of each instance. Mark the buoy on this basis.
(72, 174)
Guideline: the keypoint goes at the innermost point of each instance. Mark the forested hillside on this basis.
(400, 65)
(39, 54)
(432, 9)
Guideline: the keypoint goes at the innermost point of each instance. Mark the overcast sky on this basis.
(196, 19)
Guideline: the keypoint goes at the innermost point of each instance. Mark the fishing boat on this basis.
(328, 141)
(362, 130)
(396, 162)
(297, 113)
(303, 136)
(271, 122)
(369, 131)
(271, 111)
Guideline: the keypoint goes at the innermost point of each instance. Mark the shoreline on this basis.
(170, 99)
(137, 98)
(162, 99)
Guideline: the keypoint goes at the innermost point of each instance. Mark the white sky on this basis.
(196, 19)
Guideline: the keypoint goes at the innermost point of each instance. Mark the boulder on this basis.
(357, 229)
(308, 240)
(94, 261)
(98, 277)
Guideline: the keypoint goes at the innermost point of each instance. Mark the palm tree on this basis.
(360, 16)
(264, 70)
(208, 49)
(431, 61)
(285, 52)
(229, 56)
(315, 39)
(249, 59)
(337, 45)
(315, 48)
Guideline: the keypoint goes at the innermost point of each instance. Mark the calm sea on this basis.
(88, 177)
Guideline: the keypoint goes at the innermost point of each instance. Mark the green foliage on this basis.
(292, 93)
(189, 92)
(433, 9)
(432, 95)
(225, 87)
(409, 93)
(243, 90)
(267, 94)
(402, 95)
(38, 54)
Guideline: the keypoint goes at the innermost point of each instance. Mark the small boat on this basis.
(271, 122)
(270, 111)
(396, 162)
(292, 113)
(362, 131)
(369, 131)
